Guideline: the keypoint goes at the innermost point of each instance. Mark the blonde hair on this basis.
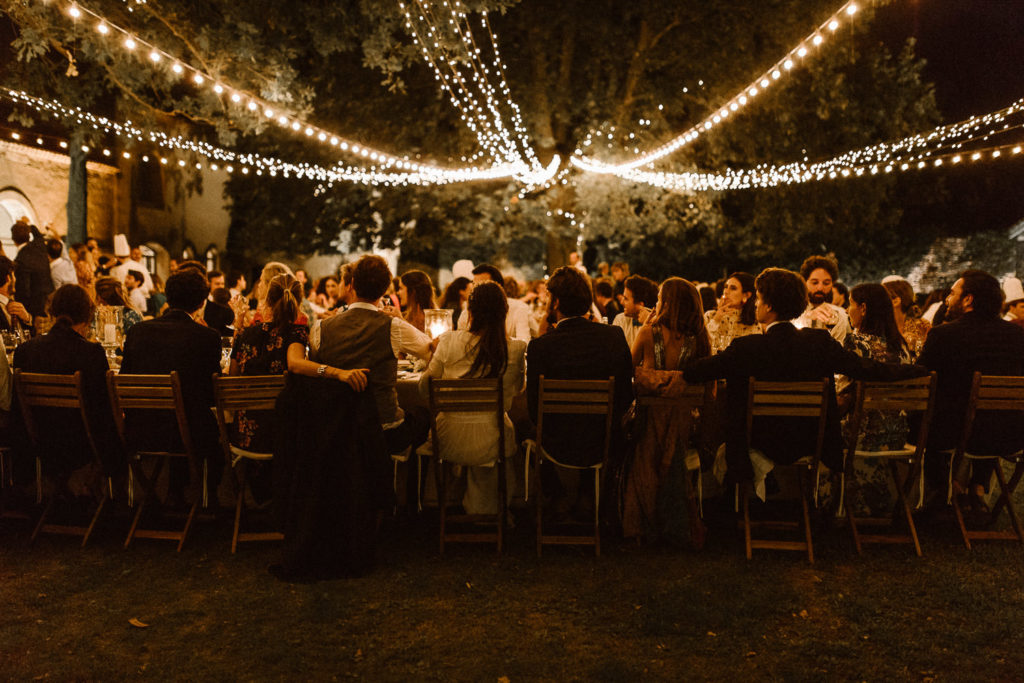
(284, 293)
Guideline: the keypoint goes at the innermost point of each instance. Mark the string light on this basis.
(201, 78)
(368, 176)
(741, 99)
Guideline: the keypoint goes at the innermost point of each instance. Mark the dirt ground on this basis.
(636, 612)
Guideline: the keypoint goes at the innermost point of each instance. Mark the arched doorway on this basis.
(212, 258)
(14, 205)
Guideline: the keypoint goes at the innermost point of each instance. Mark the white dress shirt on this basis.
(840, 327)
(517, 322)
(62, 272)
(122, 270)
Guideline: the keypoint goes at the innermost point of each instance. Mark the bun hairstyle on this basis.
(284, 293)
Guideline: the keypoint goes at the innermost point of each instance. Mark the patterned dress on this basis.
(722, 329)
(880, 430)
(262, 350)
(915, 331)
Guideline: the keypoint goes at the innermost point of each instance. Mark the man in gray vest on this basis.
(364, 337)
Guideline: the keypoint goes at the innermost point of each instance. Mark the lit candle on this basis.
(110, 333)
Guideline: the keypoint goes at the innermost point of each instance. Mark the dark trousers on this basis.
(411, 432)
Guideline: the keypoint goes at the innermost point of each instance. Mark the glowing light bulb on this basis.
(851, 10)
(833, 25)
(103, 28)
(198, 78)
(177, 68)
(154, 56)
(129, 43)
(74, 12)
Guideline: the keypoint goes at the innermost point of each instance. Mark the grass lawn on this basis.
(634, 613)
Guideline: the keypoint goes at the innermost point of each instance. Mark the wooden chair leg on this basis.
(188, 524)
(1007, 498)
(95, 518)
(42, 520)
(807, 519)
(851, 518)
(597, 513)
(1011, 486)
(746, 520)
(240, 481)
(540, 505)
(960, 521)
(502, 503)
(901, 494)
(442, 497)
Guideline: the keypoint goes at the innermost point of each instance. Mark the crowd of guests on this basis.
(652, 338)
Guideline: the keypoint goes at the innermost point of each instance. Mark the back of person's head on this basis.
(495, 274)
(452, 297)
(708, 300)
(571, 289)
(371, 277)
(679, 310)
(73, 303)
(232, 279)
(6, 269)
(622, 267)
(603, 289)
(841, 289)
(420, 288)
(110, 291)
(812, 263)
(307, 288)
(902, 289)
(784, 291)
(879, 319)
(54, 247)
(488, 307)
(20, 232)
(644, 290)
(985, 290)
(284, 294)
(345, 273)
(272, 270)
(187, 289)
(214, 274)
(221, 296)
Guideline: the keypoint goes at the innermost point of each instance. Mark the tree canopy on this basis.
(636, 72)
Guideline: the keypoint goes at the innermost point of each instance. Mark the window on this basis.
(148, 258)
(212, 258)
(188, 253)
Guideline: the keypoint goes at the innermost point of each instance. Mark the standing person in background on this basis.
(31, 269)
(820, 272)
(62, 271)
(85, 268)
(638, 298)
(131, 259)
(620, 271)
(236, 284)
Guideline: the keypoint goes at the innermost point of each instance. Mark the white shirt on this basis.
(517, 322)
(840, 326)
(62, 272)
(137, 300)
(630, 327)
(122, 270)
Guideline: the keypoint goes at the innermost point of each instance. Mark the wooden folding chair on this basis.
(231, 394)
(154, 393)
(913, 395)
(460, 396)
(694, 397)
(36, 390)
(571, 397)
(996, 394)
(778, 400)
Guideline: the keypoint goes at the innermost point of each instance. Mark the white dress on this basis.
(472, 438)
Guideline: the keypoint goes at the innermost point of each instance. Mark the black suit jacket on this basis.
(32, 272)
(219, 317)
(580, 349)
(175, 342)
(785, 353)
(63, 352)
(956, 350)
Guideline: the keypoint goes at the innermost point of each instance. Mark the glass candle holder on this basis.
(108, 325)
(437, 321)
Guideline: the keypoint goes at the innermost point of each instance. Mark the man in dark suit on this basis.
(974, 338)
(784, 353)
(13, 315)
(176, 342)
(65, 350)
(577, 348)
(31, 268)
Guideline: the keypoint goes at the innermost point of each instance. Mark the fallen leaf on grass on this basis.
(751, 654)
(504, 679)
(137, 624)
(712, 634)
(469, 585)
(803, 614)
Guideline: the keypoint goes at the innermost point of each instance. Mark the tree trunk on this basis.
(78, 193)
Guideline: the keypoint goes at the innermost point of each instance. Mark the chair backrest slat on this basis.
(915, 395)
(789, 399)
(576, 397)
(243, 392)
(467, 396)
(41, 390)
(148, 392)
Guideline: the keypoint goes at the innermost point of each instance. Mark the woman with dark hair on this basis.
(270, 348)
(454, 298)
(415, 294)
(110, 292)
(875, 336)
(674, 337)
(734, 316)
(483, 350)
(908, 316)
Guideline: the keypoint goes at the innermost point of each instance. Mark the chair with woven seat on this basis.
(990, 393)
(577, 397)
(772, 400)
(232, 394)
(914, 395)
(46, 391)
(454, 397)
(139, 393)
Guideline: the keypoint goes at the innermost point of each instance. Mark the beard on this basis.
(954, 311)
(818, 298)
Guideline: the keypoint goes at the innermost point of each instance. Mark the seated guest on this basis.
(218, 314)
(908, 318)
(481, 351)
(784, 353)
(133, 283)
(876, 336)
(258, 311)
(64, 350)
(674, 338)
(364, 337)
(972, 339)
(177, 341)
(577, 348)
(820, 272)
(604, 298)
(638, 298)
(734, 316)
(85, 269)
(157, 299)
(110, 292)
(415, 295)
(454, 298)
(517, 324)
(14, 314)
